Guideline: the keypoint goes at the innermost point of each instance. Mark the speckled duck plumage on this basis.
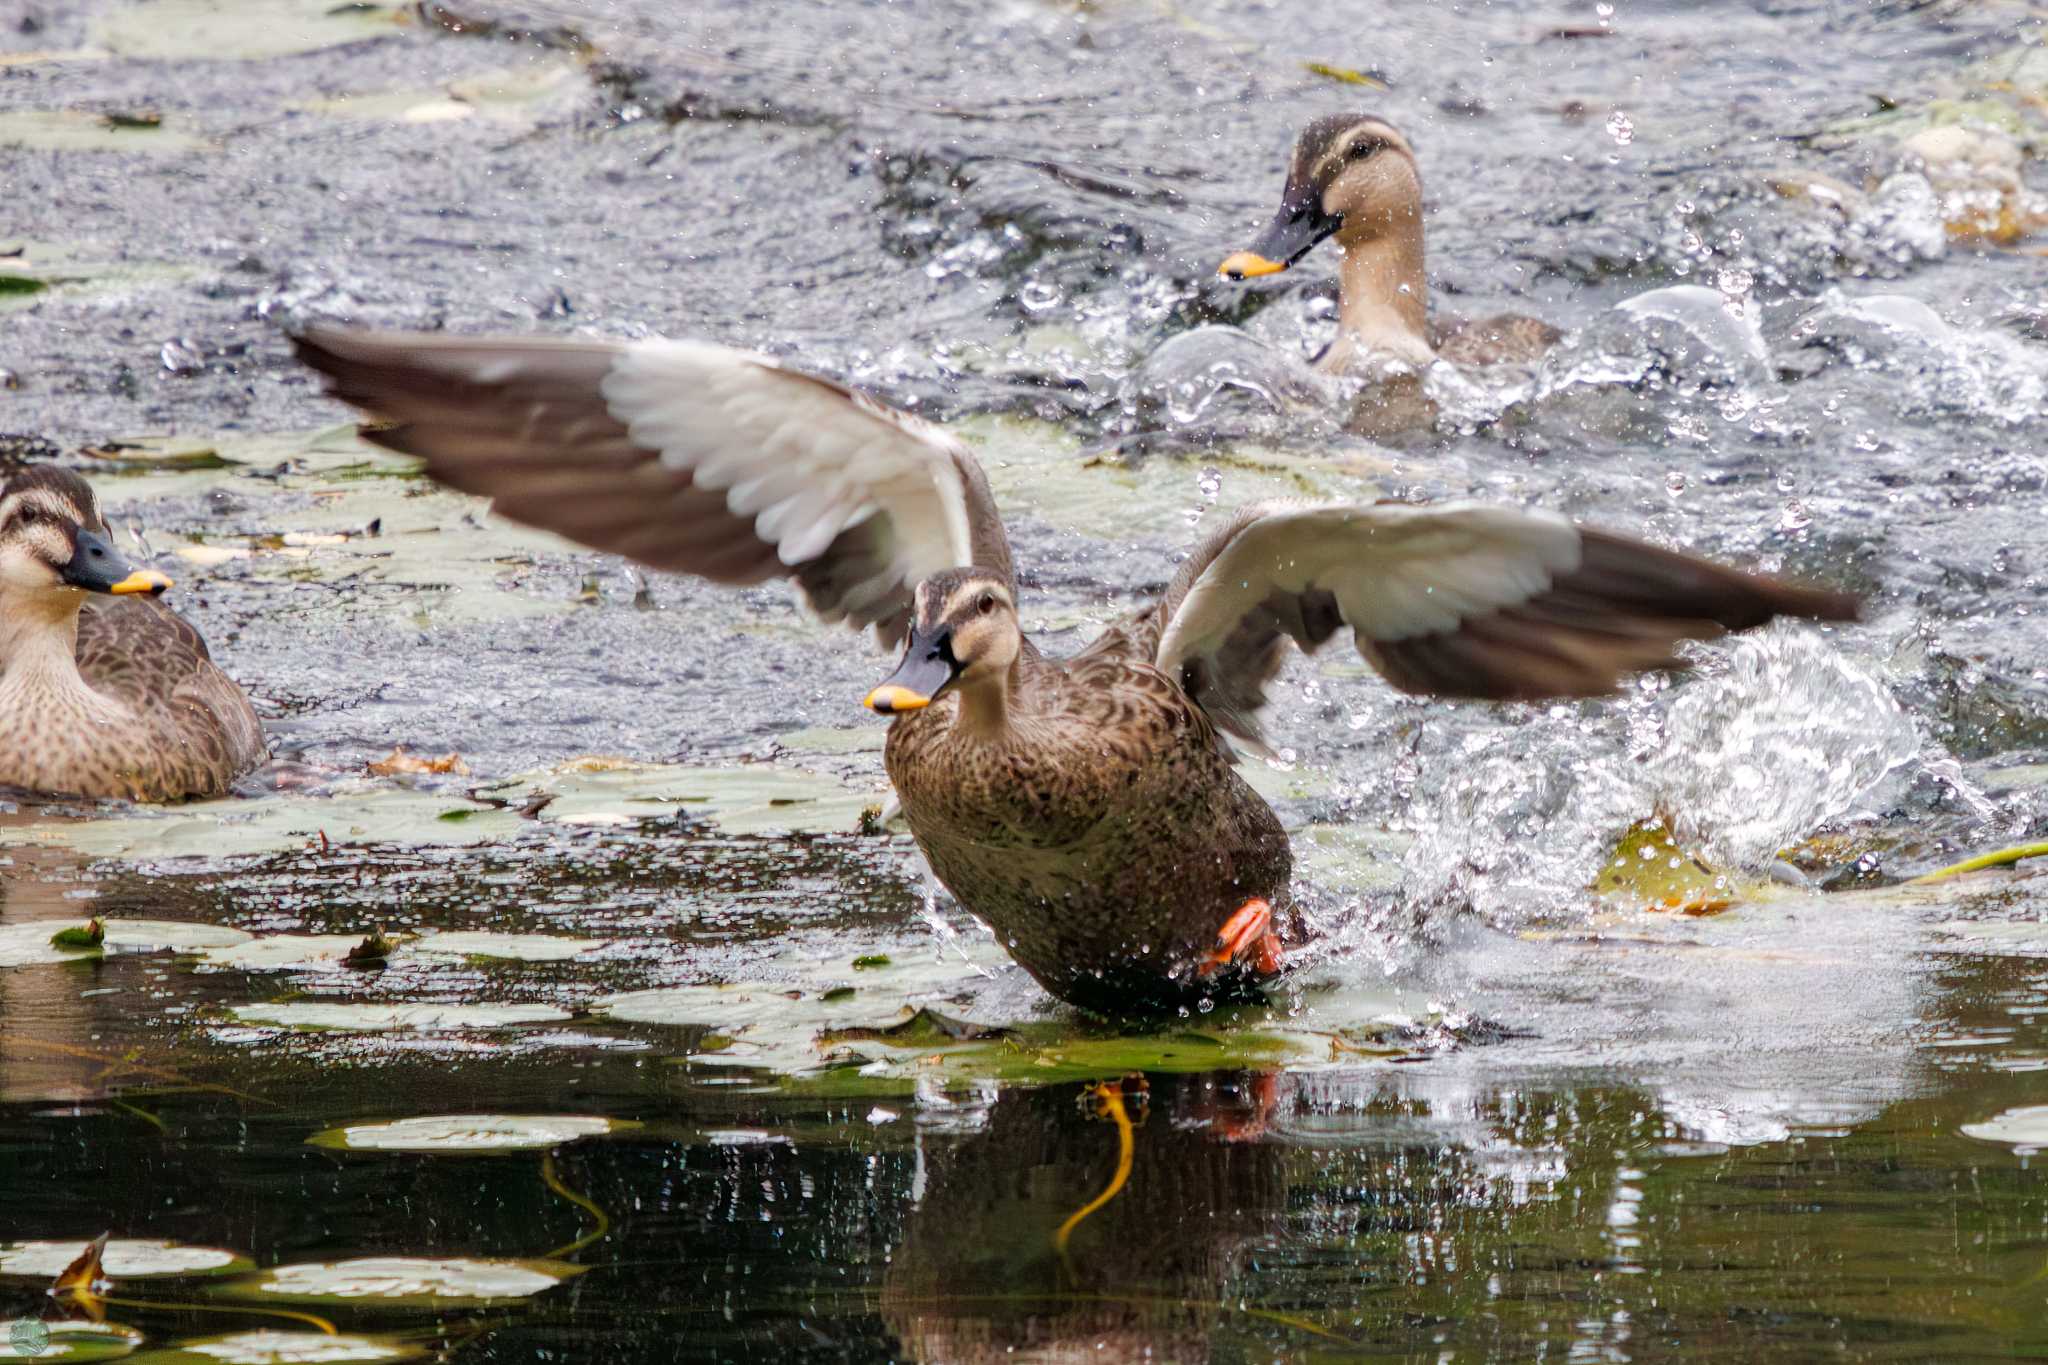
(104, 691)
(1088, 809)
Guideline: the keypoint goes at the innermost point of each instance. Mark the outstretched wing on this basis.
(683, 456)
(1451, 599)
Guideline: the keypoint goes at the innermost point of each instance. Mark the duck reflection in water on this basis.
(1013, 1253)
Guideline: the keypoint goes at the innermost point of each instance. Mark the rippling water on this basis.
(1503, 1119)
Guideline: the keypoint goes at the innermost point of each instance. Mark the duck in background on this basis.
(1354, 177)
(104, 691)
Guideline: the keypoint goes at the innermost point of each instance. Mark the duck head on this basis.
(963, 635)
(1352, 177)
(55, 546)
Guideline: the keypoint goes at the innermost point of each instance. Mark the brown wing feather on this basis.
(526, 423)
(1623, 610)
(144, 654)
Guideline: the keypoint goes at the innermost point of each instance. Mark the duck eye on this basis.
(1361, 150)
(987, 603)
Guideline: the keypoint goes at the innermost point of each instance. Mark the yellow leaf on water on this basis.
(399, 761)
(76, 1292)
(1649, 869)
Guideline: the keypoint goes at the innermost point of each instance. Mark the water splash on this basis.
(1945, 370)
(1790, 735)
(1785, 735)
(1221, 376)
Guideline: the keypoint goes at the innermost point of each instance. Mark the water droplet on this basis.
(1621, 128)
(1039, 296)
(1210, 481)
(1674, 483)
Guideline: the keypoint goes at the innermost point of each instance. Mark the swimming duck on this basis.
(1354, 177)
(1088, 808)
(104, 691)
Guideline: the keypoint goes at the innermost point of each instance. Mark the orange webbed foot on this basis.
(1249, 931)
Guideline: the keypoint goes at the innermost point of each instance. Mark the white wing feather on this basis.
(803, 459)
(1397, 571)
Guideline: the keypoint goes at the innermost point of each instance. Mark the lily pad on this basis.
(267, 1346)
(209, 30)
(374, 812)
(407, 1281)
(926, 1028)
(478, 1133)
(69, 130)
(511, 947)
(2025, 1129)
(124, 1259)
(31, 944)
(32, 1339)
(1648, 869)
(286, 952)
(753, 798)
(350, 1018)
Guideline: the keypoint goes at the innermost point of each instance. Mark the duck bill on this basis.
(97, 566)
(1292, 234)
(926, 671)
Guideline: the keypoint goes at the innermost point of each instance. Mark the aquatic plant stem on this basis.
(553, 1180)
(1110, 1096)
(238, 1310)
(2003, 857)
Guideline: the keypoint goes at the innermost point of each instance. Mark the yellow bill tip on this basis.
(142, 580)
(1245, 264)
(890, 698)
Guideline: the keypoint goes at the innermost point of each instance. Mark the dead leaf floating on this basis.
(76, 1293)
(399, 761)
(372, 951)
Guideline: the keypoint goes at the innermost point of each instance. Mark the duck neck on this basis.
(985, 706)
(1382, 299)
(39, 643)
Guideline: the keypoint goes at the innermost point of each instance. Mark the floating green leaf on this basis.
(267, 1346)
(350, 1018)
(286, 952)
(511, 947)
(34, 1339)
(925, 1028)
(2025, 1130)
(457, 1133)
(71, 130)
(33, 942)
(123, 1259)
(406, 1281)
(213, 30)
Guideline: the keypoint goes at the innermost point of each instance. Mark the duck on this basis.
(1090, 809)
(105, 692)
(1354, 177)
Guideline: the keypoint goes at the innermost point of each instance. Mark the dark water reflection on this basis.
(1443, 1210)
